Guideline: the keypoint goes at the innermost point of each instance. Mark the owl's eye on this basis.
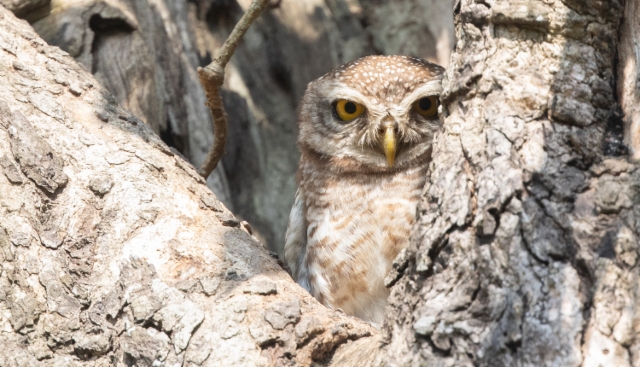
(426, 106)
(346, 110)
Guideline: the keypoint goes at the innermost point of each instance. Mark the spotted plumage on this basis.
(365, 142)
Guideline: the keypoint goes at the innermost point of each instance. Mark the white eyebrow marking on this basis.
(430, 88)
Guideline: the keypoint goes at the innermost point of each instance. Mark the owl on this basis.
(365, 142)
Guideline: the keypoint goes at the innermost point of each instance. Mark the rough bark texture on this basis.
(112, 249)
(145, 52)
(23, 7)
(629, 75)
(525, 252)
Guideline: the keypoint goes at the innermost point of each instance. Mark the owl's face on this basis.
(374, 114)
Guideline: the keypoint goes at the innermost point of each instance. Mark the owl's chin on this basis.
(369, 164)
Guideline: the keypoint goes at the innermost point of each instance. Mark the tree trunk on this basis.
(525, 251)
(524, 254)
(628, 70)
(112, 249)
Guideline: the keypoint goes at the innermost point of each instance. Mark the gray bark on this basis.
(628, 89)
(525, 251)
(112, 249)
(146, 53)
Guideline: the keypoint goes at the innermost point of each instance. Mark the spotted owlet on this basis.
(365, 142)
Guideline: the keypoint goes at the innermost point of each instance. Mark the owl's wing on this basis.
(295, 241)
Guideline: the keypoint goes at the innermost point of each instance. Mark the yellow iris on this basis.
(347, 110)
(426, 106)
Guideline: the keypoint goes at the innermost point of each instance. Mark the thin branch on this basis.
(212, 78)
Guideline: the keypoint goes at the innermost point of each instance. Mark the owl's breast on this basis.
(356, 227)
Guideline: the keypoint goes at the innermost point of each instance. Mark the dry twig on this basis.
(212, 77)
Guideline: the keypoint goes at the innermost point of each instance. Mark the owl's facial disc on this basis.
(375, 114)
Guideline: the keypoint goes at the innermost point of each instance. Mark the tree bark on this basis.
(525, 251)
(628, 70)
(146, 53)
(112, 249)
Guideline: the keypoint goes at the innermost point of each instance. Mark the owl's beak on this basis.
(390, 144)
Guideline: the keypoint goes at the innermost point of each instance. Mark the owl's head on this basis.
(375, 114)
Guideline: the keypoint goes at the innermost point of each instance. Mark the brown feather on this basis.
(353, 213)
